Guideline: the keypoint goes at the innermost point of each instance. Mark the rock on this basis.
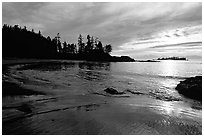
(113, 91)
(122, 59)
(191, 88)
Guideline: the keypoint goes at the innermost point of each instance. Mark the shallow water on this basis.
(148, 86)
(154, 79)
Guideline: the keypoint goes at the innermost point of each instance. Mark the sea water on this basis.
(159, 78)
(79, 83)
(153, 79)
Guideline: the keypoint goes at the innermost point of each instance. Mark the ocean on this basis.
(159, 78)
(145, 84)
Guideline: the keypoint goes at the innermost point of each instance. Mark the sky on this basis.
(139, 30)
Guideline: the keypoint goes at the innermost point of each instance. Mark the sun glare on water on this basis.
(169, 68)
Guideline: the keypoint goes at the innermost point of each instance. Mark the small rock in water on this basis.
(112, 91)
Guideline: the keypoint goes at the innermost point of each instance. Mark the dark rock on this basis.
(122, 59)
(113, 91)
(191, 88)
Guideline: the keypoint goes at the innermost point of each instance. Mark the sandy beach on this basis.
(38, 111)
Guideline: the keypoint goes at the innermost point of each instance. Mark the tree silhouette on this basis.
(80, 44)
(99, 47)
(92, 43)
(108, 48)
(65, 47)
(25, 29)
(39, 33)
(59, 47)
(72, 48)
(22, 43)
(89, 44)
(48, 38)
(25, 43)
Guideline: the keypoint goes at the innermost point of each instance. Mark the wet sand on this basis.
(48, 114)
(96, 115)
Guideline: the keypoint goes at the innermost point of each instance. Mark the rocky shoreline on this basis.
(191, 88)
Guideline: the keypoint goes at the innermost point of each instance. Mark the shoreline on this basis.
(130, 117)
(94, 114)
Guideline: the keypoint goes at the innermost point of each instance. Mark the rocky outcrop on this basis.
(121, 59)
(191, 88)
(113, 91)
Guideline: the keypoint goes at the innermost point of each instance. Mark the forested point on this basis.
(19, 42)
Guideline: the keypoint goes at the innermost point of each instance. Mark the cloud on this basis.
(179, 45)
(167, 37)
(127, 26)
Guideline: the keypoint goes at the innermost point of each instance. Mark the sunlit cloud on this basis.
(132, 28)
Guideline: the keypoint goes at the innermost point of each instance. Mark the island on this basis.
(18, 42)
(173, 58)
(147, 60)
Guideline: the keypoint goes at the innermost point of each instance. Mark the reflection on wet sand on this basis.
(101, 119)
(176, 109)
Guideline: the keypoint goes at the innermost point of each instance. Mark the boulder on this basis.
(113, 91)
(191, 88)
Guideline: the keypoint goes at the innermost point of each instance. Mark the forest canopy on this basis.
(22, 43)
